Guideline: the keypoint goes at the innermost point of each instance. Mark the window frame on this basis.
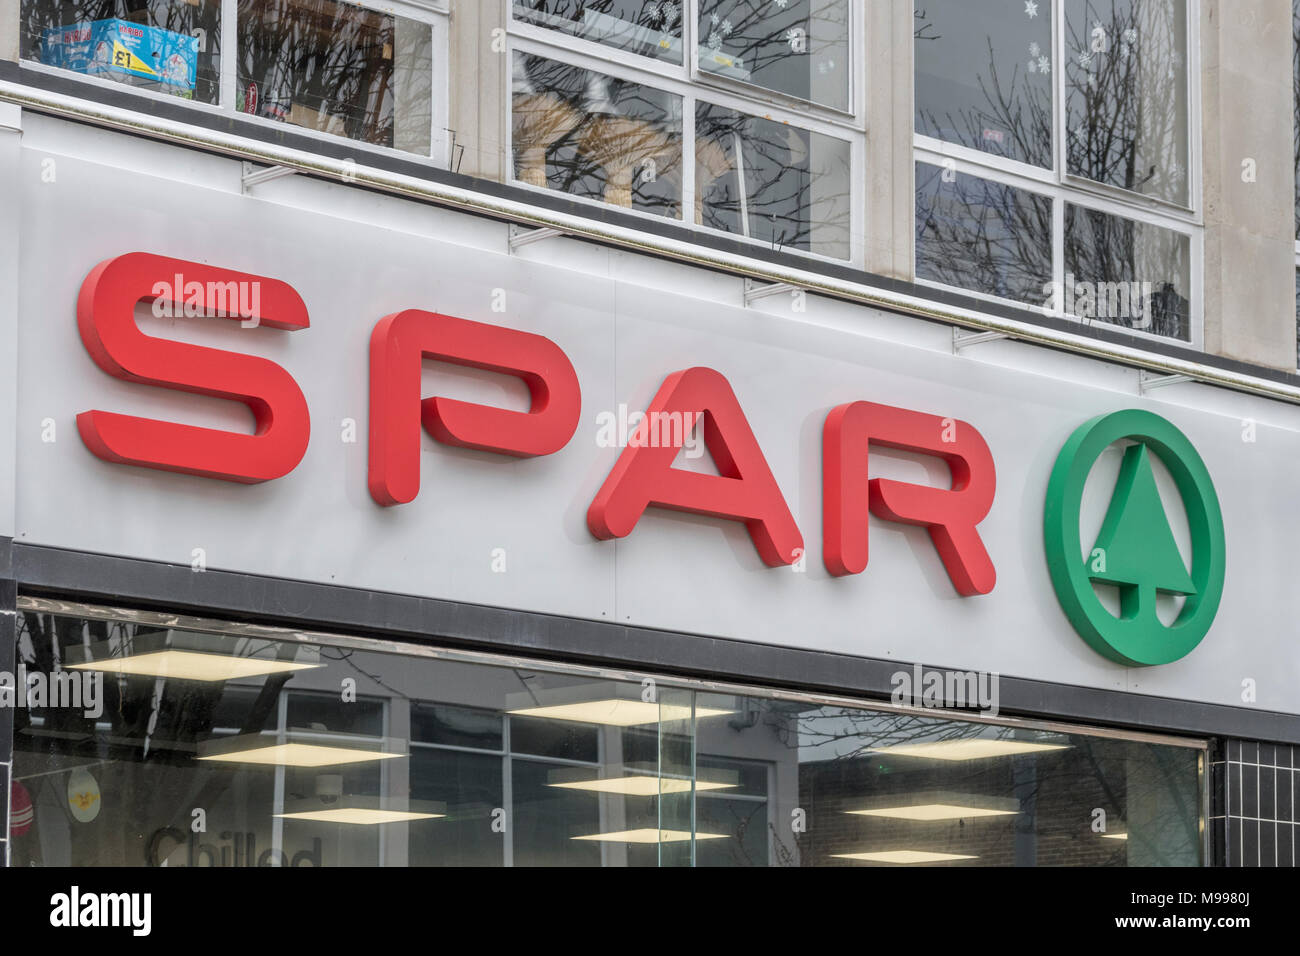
(688, 71)
(1295, 122)
(435, 13)
(678, 80)
(1061, 187)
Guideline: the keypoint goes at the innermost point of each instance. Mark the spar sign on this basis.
(744, 489)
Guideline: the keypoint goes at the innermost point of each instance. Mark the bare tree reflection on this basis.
(1126, 126)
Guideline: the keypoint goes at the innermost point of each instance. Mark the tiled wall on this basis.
(1254, 793)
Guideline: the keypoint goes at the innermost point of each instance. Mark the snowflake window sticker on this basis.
(715, 40)
(1038, 61)
(1031, 8)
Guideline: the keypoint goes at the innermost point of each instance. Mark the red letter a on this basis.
(744, 490)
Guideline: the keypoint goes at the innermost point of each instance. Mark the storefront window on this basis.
(144, 739)
(168, 46)
(786, 186)
(650, 29)
(337, 68)
(799, 47)
(596, 136)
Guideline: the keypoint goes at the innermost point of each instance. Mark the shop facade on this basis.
(371, 505)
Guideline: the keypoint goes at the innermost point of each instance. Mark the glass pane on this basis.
(1127, 273)
(649, 29)
(857, 787)
(1126, 112)
(797, 47)
(339, 69)
(169, 46)
(771, 181)
(136, 727)
(984, 74)
(456, 726)
(732, 799)
(469, 785)
(983, 236)
(676, 765)
(587, 134)
(131, 730)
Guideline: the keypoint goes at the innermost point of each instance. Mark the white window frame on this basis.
(1295, 114)
(1062, 187)
(685, 81)
(435, 13)
(688, 70)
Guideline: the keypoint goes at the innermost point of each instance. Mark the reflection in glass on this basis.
(587, 134)
(1127, 273)
(984, 75)
(770, 181)
(1126, 104)
(797, 47)
(337, 68)
(647, 28)
(186, 27)
(983, 236)
(427, 761)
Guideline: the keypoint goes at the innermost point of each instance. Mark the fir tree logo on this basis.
(1135, 550)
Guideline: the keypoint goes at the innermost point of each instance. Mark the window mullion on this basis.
(229, 76)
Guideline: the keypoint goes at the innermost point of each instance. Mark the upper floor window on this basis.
(333, 67)
(735, 115)
(1056, 156)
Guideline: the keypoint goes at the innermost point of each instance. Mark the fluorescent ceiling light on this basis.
(975, 748)
(617, 712)
(650, 835)
(359, 815)
(932, 811)
(640, 785)
(191, 665)
(904, 856)
(300, 755)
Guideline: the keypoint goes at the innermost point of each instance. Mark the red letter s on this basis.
(106, 319)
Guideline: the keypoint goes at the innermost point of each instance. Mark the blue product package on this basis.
(120, 49)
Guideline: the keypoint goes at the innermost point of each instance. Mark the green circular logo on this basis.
(1135, 550)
